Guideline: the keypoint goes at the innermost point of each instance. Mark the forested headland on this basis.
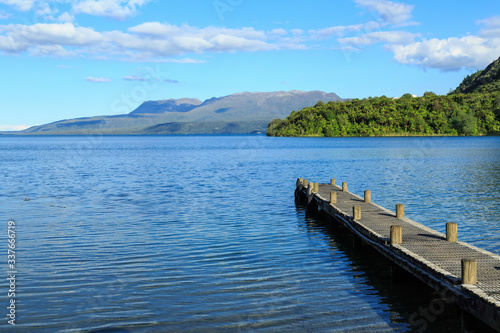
(472, 109)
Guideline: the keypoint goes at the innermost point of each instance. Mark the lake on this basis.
(201, 233)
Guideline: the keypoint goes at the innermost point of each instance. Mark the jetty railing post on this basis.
(344, 186)
(316, 187)
(300, 183)
(333, 197)
(309, 189)
(299, 196)
(312, 206)
(356, 212)
(332, 181)
(469, 271)
(451, 232)
(368, 196)
(305, 183)
(396, 234)
(400, 211)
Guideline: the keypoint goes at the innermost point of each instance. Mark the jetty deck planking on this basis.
(424, 252)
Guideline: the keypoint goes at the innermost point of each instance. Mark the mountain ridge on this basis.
(244, 112)
(483, 81)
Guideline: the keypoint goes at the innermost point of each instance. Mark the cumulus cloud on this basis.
(397, 13)
(454, 53)
(279, 31)
(491, 27)
(51, 51)
(449, 54)
(10, 45)
(97, 79)
(66, 18)
(51, 33)
(150, 41)
(23, 5)
(118, 9)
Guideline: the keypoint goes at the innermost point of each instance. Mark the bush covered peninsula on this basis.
(471, 109)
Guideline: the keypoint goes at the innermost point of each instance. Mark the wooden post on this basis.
(451, 232)
(396, 234)
(368, 196)
(469, 271)
(344, 186)
(305, 182)
(316, 187)
(356, 212)
(400, 211)
(332, 181)
(333, 197)
(309, 189)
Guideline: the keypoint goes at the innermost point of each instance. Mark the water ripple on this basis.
(201, 234)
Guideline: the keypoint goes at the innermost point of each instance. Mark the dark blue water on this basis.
(201, 233)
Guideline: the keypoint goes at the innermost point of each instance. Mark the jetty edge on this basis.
(465, 274)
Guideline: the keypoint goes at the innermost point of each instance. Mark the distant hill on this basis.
(483, 81)
(245, 112)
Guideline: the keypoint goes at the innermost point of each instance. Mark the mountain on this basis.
(168, 105)
(244, 112)
(483, 81)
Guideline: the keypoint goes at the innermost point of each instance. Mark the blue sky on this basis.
(64, 59)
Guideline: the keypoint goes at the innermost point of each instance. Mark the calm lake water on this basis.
(201, 233)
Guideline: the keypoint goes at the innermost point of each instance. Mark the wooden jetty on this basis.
(467, 275)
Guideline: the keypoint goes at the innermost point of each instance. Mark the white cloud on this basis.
(390, 37)
(491, 27)
(134, 77)
(279, 31)
(181, 61)
(342, 30)
(118, 9)
(229, 43)
(4, 15)
(10, 45)
(391, 12)
(154, 39)
(56, 51)
(449, 54)
(97, 79)
(23, 5)
(43, 9)
(66, 18)
(52, 33)
(156, 29)
(8, 128)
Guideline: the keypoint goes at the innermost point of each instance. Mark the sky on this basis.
(63, 59)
